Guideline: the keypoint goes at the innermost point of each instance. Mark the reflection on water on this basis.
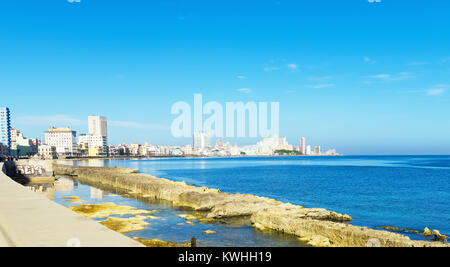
(170, 223)
(96, 193)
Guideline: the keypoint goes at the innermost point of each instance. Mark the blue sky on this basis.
(364, 78)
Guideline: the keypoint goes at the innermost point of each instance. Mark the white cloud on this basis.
(323, 85)
(436, 91)
(322, 78)
(392, 77)
(292, 66)
(368, 60)
(245, 90)
(240, 77)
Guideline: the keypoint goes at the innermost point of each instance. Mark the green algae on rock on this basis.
(160, 243)
(209, 232)
(126, 225)
(107, 209)
(73, 199)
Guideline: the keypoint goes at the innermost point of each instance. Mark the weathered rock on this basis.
(338, 234)
(438, 236)
(160, 243)
(209, 232)
(319, 241)
(426, 232)
(126, 225)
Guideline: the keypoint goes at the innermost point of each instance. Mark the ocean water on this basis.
(410, 192)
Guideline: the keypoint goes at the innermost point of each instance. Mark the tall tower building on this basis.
(303, 145)
(5, 127)
(202, 140)
(97, 125)
(98, 133)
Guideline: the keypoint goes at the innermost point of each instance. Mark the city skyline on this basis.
(378, 86)
(65, 142)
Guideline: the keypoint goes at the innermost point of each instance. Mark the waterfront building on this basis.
(95, 151)
(308, 150)
(317, 150)
(47, 151)
(177, 152)
(187, 150)
(135, 149)
(303, 145)
(123, 150)
(98, 134)
(21, 146)
(5, 127)
(63, 139)
(94, 141)
(202, 141)
(332, 152)
(269, 145)
(219, 144)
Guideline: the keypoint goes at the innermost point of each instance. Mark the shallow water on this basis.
(165, 227)
(410, 192)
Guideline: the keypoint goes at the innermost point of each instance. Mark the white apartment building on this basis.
(5, 126)
(270, 144)
(63, 139)
(98, 133)
(47, 151)
(98, 125)
(202, 141)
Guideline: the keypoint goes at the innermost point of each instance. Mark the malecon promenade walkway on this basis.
(28, 219)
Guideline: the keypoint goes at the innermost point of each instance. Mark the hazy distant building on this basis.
(97, 138)
(202, 141)
(47, 151)
(219, 144)
(63, 139)
(317, 150)
(303, 145)
(5, 127)
(269, 145)
(308, 150)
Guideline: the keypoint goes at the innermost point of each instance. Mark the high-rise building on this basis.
(317, 150)
(5, 127)
(97, 125)
(63, 139)
(303, 145)
(98, 134)
(202, 141)
(308, 150)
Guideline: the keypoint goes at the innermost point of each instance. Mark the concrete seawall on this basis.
(317, 227)
(28, 219)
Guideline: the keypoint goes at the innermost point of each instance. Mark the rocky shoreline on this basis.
(314, 226)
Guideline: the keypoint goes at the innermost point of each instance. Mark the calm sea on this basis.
(403, 191)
